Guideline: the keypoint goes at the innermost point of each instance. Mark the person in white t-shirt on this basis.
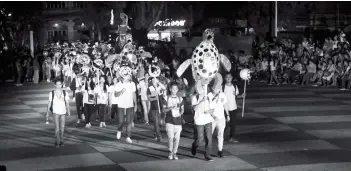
(89, 101)
(232, 92)
(142, 87)
(102, 100)
(113, 99)
(59, 103)
(203, 122)
(127, 106)
(273, 66)
(219, 101)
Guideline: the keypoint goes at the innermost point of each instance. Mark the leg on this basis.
(220, 133)
(232, 123)
(79, 101)
(62, 126)
(177, 130)
(170, 134)
(199, 138)
(130, 117)
(146, 110)
(57, 128)
(208, 139)
(156, 116)
(120, 117)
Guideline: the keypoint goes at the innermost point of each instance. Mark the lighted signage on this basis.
(170, 23)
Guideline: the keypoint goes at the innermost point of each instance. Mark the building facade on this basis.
(70, 21)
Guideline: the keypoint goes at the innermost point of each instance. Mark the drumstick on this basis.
(242, 111)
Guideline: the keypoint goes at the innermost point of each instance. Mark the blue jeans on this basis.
(204, 133)
(125, 117)
(156, 116)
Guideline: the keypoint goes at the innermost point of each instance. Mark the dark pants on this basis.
(232, 122)
(156, 116)
(79, 104)
(102, 111)
(204, 133)
(88, 111)
(125, 117)
(344, 81)
(306, 78)
(114, 110)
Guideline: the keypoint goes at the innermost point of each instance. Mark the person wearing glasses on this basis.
(59, 106)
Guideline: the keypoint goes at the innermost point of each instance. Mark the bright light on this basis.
(10, 14)
(112, 18)
(168, 22)
(56, 25)
(82, 24)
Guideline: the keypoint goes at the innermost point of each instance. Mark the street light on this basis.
(56, 25)
(82, 24)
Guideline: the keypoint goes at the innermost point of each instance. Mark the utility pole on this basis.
(276, 19)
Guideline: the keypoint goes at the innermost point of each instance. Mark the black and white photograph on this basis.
(175, 86)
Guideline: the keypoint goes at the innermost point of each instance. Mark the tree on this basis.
(144, 15)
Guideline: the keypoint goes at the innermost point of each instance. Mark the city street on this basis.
(285, 128)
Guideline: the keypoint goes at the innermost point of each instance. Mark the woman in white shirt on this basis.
(273, 66)
(102, 100)
(142, 87)
(113, 98)
(88, 101)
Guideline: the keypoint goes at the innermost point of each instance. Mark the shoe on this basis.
(118, 135)
(175, 157)
(128, 140)
(61, 144)
(193, 150)
(100, 125)
(209, 159)
(233, 140)
(78, 121)
(87, 125)
(57, 145)
(343, 89)
(146, 123)
(220, 154)
(104, 124)
(170, 156)
(132, 124)
(159, 139)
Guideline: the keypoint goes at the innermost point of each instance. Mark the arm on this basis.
(182, 108)
(135, 102)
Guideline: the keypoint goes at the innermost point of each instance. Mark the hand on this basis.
(68, 113)
(228, 119)
(243, 95)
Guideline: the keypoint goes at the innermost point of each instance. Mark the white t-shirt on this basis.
(264, 65)
(231, 94)
(86, 96)
(113, 90)
(171, 102)
(59, 103)
(200, 117)
(272, 64)
(218, 103)
(143, 89)
(102, 96)
(126, 99)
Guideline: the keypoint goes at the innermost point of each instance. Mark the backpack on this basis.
(52, 98)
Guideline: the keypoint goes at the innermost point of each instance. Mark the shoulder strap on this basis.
(52, 95)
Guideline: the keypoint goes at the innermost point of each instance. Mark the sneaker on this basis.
(132, 124)
(57, 145)
(78, 121)
(343, 89)
(220, 154)
(170, 156)
(209, 159)
(159, 139)
(118, 135)
(104, 124)
(175, 157)
(233, 140)
(100, 125)
(128, 140)
(62, 144)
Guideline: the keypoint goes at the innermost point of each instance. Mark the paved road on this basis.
(285, 128)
